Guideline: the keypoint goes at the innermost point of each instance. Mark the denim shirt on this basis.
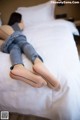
(9, 40)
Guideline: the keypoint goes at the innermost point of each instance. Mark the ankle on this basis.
(37, 60)
(18, 66)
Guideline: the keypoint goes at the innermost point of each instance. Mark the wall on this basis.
(8, 6)
(72, 10)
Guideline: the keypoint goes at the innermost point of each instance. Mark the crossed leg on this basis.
(41, 69)
(43, 75)
(23, 74)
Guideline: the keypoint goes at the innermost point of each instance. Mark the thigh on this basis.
(20, 41)
(12, 46)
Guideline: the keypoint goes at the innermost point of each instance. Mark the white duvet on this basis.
(54, 42)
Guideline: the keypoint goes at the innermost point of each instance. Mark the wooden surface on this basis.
(15, 116)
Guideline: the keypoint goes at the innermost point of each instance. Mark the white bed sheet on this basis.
(54, 42)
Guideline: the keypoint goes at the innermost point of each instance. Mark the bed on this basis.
(54, 41)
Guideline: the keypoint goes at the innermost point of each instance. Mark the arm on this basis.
(21, 25)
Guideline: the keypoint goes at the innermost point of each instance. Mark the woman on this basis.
(16, 44)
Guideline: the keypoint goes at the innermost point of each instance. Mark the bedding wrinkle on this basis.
(54, 41)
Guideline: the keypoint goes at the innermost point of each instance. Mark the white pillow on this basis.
(39, 13)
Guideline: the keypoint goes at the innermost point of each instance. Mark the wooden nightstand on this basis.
(63, 16)
(76, 37)
(77, 40)
(78, 27)
(77, 23)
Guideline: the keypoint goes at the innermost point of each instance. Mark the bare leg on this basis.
(40, 68)
(23, 74)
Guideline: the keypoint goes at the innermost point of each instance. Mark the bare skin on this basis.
(19, 72)
(40, 76)
(41, 69)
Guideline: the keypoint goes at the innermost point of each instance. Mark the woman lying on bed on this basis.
(16, 44)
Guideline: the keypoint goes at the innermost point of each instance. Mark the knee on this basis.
(16, 47)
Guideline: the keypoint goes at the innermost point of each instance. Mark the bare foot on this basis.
(21, 73)
(44, 72)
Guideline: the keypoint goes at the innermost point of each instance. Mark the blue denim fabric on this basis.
(9, 41)
(17, 46)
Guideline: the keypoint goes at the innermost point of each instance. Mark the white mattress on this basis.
(54, 42)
